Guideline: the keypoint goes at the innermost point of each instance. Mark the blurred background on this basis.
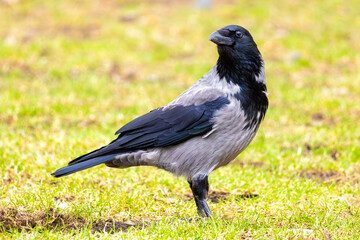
(73, 72)
(71, 68)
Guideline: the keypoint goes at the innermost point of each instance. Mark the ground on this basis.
(73, 72)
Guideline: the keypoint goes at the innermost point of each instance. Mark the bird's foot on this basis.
(203, 209)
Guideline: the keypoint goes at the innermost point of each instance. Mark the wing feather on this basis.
(161, 127)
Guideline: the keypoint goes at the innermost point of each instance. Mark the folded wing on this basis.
(160, 128)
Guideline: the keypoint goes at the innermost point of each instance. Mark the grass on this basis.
(73, 72)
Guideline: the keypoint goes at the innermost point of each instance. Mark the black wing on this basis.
(161, 128)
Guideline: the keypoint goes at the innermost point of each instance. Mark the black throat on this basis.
(243, 69)
(240, 68)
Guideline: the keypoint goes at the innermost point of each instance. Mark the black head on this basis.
(232, 35)
(238, 53)
(234, 40)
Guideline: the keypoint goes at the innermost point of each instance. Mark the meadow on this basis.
(73, 72)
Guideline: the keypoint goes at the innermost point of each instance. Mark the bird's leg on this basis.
(199, 186)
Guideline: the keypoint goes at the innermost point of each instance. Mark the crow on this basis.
(204, 128)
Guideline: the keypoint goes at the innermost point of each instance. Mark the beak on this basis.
(221, 37)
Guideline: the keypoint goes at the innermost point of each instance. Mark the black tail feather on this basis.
(76, 167)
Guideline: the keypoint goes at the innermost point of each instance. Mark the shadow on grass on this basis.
(217, 196)
(11, 219)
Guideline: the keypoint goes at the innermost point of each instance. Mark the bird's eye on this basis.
(238, 34)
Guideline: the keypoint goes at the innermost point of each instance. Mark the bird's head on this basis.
(234, 40)
(238, 53)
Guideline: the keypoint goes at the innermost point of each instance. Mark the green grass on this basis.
(73, 72)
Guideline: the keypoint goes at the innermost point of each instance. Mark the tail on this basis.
(82, 165)
(91, 159)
